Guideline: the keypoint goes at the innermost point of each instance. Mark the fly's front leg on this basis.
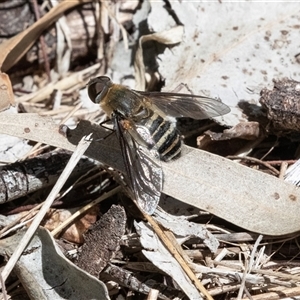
(105, 127)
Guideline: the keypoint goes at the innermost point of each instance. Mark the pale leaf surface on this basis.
(231, 50)
(245, 197)
(47, 274)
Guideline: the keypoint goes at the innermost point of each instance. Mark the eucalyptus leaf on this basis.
(247, 198)
(46, 274)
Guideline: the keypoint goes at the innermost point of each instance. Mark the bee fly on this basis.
(146, 120)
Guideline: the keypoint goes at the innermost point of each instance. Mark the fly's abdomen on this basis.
(165, 137)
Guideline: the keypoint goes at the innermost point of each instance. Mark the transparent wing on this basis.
(145, 176)
(186, 105)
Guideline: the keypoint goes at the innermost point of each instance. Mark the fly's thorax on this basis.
(125, 102)
(160, 135)
(107, 108)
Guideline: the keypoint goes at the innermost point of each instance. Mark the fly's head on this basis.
(98, 88)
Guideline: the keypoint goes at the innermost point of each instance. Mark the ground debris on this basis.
(138, 284)
(283, 105)
(102, 241)
(220, 207)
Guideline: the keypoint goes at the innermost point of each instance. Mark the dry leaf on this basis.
(73, 233)
(70, 82)
(46, 274)
(12, 148)
(240, 195)
(228, 57)
(184, 229)
(244, 130)
(156, 252)
(6, 92)
(169, 37)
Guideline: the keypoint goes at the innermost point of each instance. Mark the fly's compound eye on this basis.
(98, 88)
(94, 91)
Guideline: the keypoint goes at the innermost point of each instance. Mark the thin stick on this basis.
(255, 160)
(249, 266)
(79, 151)
(4, 292)
(283, 168)
(177, 256)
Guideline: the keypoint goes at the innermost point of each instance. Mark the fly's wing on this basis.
(186, 105)
(145, 176)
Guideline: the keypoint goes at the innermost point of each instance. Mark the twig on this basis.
(223, 289)
(279, 162)
(18, 223)
(4, 292)
(255, 160)
(177, 256)
(81, 181)
(283, 168)
(279, 293)
(290, 277)
(271, 149)
(248, 270)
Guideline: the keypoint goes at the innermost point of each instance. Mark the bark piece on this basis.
(127, 279)
(102, 241)
(22, 178)
(283, 104)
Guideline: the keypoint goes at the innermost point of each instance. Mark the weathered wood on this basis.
(22, 178)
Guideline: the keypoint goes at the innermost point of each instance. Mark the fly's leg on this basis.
(106, 127)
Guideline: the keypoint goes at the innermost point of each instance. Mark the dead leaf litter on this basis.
(227, 223)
